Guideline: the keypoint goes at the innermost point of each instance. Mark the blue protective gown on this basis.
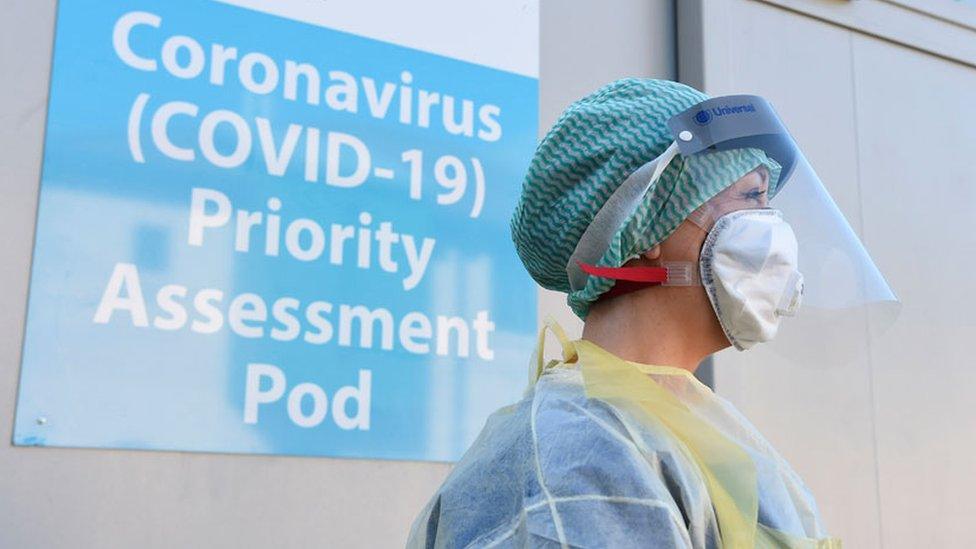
(558, 469)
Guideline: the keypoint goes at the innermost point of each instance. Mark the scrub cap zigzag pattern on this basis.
(590, 150)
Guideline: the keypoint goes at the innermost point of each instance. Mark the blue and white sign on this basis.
(274, 228)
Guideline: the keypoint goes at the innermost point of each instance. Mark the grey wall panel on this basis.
(886, 443)
(943, 28)
(585, 45)
(819, 418)
(916, 132)
(110, 498)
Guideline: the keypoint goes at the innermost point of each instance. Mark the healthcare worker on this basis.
(677, 225)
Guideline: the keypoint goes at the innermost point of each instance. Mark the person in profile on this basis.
(651, 206)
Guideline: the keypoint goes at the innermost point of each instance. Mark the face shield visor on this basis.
(845, 298)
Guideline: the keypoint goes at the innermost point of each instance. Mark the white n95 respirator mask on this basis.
(749, 270)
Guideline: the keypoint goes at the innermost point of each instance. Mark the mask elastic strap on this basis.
(630, 279)
(651, 275)
(596, 239)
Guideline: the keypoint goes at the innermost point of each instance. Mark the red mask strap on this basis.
(628, 279)
(648, 275)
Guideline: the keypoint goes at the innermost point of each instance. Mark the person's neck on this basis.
(659, 326)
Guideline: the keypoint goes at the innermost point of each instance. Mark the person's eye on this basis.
(755, 194)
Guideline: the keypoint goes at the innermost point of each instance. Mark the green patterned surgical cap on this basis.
(596, 143)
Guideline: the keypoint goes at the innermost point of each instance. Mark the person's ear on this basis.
(653, 254)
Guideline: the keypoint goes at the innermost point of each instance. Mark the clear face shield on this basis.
(844, 294)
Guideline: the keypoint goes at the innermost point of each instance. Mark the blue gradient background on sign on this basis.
(121, 386)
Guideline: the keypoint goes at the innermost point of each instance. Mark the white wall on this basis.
(51, 497)
(879, 94)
